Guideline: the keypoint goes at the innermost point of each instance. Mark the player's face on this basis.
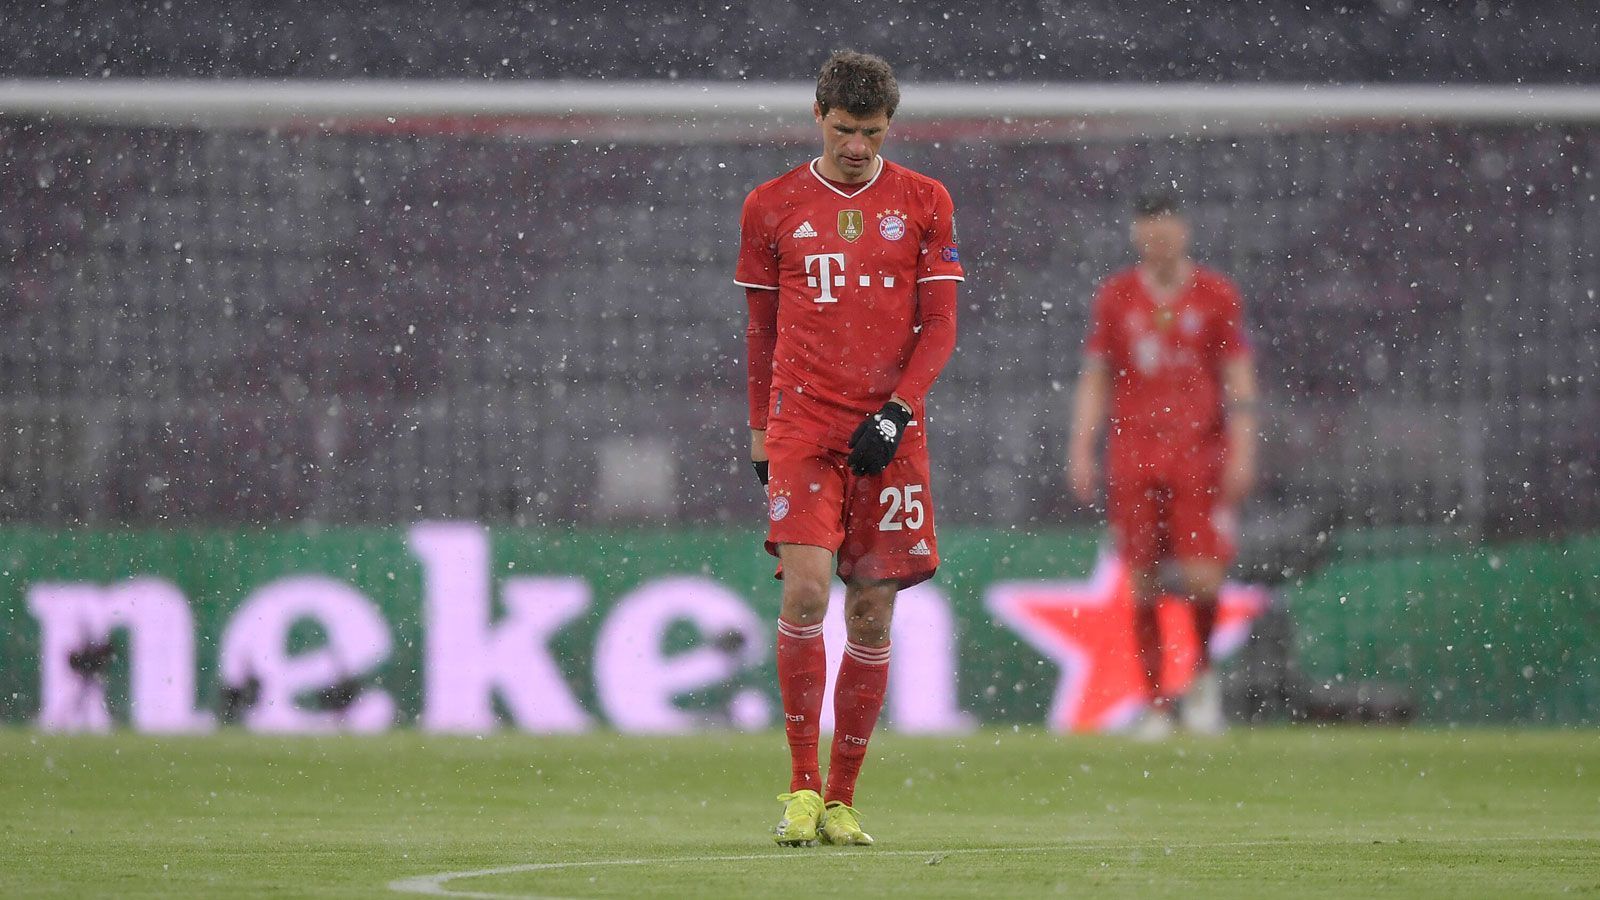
(850, 145)
(1161, 238)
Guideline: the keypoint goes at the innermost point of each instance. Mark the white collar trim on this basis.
(858, 192)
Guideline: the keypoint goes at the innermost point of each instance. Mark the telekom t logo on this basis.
(826, 270)
(825, 277)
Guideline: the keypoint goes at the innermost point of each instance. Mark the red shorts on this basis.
(1177, 513)
(881, 526)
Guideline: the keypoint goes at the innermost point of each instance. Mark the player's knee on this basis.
(805, 601)
(1146, 586)
(1203, 579)
(867, 618)
(1207, 585)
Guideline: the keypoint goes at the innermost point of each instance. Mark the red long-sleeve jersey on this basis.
(862, 279)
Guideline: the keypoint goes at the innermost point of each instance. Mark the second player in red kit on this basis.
(1167, 357)
(850, 265)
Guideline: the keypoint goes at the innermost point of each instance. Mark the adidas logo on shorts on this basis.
(804, 231)
(920, 548)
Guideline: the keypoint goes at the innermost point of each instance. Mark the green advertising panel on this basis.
(1501, 633)
(453, 627)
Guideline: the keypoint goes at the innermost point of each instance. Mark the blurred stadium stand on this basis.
(272, 325)
(1025, 40)
(226, 325)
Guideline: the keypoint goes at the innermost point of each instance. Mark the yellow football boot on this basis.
(802, 813)
(841, 825)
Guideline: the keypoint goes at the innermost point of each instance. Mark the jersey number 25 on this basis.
(901, 500)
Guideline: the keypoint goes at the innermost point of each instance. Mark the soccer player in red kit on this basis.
(1167, 352)
(850, 266)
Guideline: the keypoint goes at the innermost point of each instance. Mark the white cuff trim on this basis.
(942, 278)
(758, 287)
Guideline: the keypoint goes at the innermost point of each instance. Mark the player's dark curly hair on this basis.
(858, 83)
(1159, 200)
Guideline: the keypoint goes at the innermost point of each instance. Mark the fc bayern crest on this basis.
(892, 227)
(778, 507)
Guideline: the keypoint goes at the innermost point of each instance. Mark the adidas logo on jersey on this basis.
(804, 231)
(920, 548)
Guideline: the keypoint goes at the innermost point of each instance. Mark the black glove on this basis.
(876, 438)
(761, 470)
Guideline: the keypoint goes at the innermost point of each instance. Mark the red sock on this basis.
(1205, 622)
(1147, 634)
(857, 700)
(802, 680)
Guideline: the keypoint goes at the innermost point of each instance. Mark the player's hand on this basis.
(876, 438)
(761, 470)
(1082, 477)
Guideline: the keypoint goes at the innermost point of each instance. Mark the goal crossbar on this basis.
(261, 102)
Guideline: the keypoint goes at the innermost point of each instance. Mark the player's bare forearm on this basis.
(1088, 412)
(758, 444)
(936, 341)
(1089, 406)
(1240, 397)
(1242, 431)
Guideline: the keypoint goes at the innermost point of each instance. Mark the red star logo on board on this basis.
(1086, 628)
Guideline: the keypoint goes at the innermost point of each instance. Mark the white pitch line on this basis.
(434, 885)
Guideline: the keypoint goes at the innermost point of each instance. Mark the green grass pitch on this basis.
(1302, 811)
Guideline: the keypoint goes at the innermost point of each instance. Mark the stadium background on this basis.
(262, 337)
